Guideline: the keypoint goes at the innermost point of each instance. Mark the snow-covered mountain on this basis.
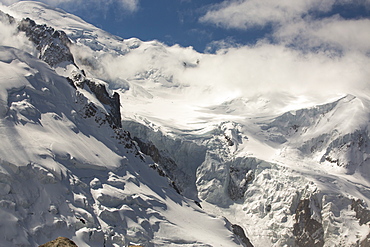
(112, 142)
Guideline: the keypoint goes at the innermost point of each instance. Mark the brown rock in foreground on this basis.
(60, 242)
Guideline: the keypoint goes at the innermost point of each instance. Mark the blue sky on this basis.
(209, 25)
(169, 21)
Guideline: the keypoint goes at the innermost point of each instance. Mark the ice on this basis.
(76, 185)
(236, 152)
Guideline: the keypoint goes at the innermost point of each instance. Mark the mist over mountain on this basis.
(115, 142)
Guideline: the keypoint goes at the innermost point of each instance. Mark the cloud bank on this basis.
(270, 71)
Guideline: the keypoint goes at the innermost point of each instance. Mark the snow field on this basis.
(253, 155)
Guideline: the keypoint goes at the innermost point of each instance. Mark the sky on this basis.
(209, 25)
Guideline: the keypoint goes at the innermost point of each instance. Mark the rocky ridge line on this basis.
(54, 47)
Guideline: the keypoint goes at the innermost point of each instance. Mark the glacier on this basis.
(115, 142)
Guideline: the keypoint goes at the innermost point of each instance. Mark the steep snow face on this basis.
(63, 174)
(291, 169)
(66, 171)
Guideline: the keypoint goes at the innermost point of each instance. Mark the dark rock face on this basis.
(6, 18)
(366, 241)
(355, 145)
(113, 118)
(113, 102)
(60, 242)
(238, 231)
(307, 231)
(150, 149)
(167, 167)
(238, 181)
(53, 45)
(362, 213)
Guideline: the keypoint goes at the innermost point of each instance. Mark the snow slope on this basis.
(291, 167)
(60, 176)
(64, 171)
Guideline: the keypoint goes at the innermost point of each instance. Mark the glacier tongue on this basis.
(193, 165)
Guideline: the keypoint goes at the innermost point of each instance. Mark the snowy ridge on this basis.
(82, 176)
(193, 163)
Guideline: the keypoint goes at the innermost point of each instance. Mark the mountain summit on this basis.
(118, 142)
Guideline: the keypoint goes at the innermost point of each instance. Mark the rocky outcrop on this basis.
(307, 231)
(114, 117)
(362, 213)
(6, 18)
(166, 167)
(60, 242)
(238, 181)
(238, 231)
(52, 44)
(112, 104)
(354, 145)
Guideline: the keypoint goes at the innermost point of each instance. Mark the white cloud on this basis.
(219, 45)
(131, 5)
(7, 2)
(265, 69)
(293, 22)
(128, 5)
(245, 14)
(329, 33)
(10, 36)
(312, 69)
(268, 68)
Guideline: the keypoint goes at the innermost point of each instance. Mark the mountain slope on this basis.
(191, 157)
(67, 170)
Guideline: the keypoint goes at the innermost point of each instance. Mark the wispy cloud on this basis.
(128, 5)
(250, 13)
(131, 5)
(333, 33)
(219, 45)
(306, 24)
(12, 38)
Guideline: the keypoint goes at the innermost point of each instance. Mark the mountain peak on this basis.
(114, 142)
